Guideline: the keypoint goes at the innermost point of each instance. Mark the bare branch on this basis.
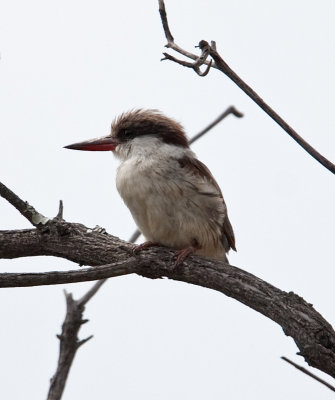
(73, 314)
(60, 211)
(87, 296)
(206, 70)
(187, 64)
(170, 40)
(8, 280)
(28, 211)
(221, 65)
(69, 343)
(166, 28)
(135, 236)
(312, 333)
(305, 371)
(83, 341)
(230, 110)
(198, 62)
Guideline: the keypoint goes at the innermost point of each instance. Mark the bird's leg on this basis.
(143, 246)
(184, 253)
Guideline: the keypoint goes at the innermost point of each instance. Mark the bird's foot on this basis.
(97, 229)
(137, 248)
(184, 253)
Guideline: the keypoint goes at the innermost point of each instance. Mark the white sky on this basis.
(67, 69)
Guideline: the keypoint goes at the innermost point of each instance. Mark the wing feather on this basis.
(196, 167)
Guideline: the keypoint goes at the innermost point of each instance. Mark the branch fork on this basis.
(198, 62)
(218, 63)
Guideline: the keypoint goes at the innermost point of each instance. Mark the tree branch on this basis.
(221, 65)
(28, 211)
(69, 343)
(305, 371)
(91, 292)
(230, 111)
(170, 40)
(312, 333)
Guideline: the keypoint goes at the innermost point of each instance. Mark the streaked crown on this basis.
(148, 123)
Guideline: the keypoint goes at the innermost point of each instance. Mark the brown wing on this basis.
(198, 168)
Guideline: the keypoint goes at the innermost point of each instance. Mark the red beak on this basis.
(107, 143)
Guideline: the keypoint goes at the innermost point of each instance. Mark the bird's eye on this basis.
(125, 132)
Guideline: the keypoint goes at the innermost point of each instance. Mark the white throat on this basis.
(149, 147)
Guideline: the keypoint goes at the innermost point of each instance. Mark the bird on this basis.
(172, 196)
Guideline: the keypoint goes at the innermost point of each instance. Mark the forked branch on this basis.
(111, 257)
(69, 344)
(220, 64)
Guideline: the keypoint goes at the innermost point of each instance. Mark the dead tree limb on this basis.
(210, 50)
(69, 344)
(113, 257)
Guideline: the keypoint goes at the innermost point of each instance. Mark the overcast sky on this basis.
(67, 69)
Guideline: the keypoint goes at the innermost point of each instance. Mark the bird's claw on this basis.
(97, 229)
(137, 248)
(183, 254)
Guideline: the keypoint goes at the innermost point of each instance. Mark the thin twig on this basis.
(88, 295)
(83, 341)
(230, 110)
(305, 371)
(198, 62)
(135, 236)
(28, 211)
(165, 23)
(194, 65)
(60, 210)
(221, 65)
(184, 63)
(170, 40)
(224, 67)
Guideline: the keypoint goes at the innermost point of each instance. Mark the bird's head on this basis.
(137, 131)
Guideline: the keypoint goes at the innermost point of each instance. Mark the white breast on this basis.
(166, 204)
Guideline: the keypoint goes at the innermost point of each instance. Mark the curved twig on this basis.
(221, 65)
(198, 62)
(170, 40)
(230, 110)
